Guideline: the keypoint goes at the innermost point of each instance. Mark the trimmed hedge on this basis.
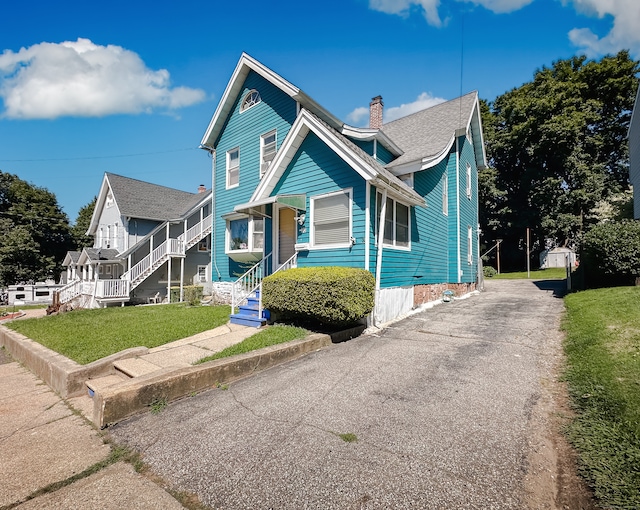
(611, 254)
(192, 294)
(328, 295)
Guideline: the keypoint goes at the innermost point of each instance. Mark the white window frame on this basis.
(250, 235)
(202, 278)
(469, 245)
(445, 194)
(264, 163)
(257, 99)
(312, 207)
(107, 269)
(392, 213)
(230, 168)
(469, 181)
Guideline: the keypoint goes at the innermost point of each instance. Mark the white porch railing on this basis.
(251, 281)
(196, 233)
(73, 289)
(112, 289)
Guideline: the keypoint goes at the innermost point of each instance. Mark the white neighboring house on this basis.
(147, 239)
(634, 155)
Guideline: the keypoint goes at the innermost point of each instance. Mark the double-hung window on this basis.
(233, 167)
(267, 150)
(396, 231)
(468, 180)
(469, 244)
(331, 220)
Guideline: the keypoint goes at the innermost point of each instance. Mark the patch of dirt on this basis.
(552, 480)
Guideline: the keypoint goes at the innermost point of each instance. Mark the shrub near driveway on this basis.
(328, 295)
(88, 335)
(603, 371)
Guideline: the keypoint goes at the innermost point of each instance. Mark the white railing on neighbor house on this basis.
(74, 289)
(135, 275)
(112, 289)
(196, 233)
(251, 281)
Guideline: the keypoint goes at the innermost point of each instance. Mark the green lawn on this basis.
(553, 273)
(273, 335)
(603, 372)
(88, 335)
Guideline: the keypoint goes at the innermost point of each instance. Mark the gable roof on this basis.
(368, 167)
(426, 136)
(235, 85)
(98, 254)
(144, 200)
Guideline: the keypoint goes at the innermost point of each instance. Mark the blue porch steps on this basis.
(248, 315)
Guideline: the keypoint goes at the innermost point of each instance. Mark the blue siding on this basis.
(276, 111)
(427, 261)
(316, 170)
(383, 155)
(468, 210)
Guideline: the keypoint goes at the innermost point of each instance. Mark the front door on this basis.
(286, 234)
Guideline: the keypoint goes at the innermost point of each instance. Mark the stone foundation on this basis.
(221, 292)
(433, 292)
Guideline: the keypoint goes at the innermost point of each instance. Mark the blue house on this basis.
(293, 186)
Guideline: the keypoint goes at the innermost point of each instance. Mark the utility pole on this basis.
(528, 258)
(498, 241)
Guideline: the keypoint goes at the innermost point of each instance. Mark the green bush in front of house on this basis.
(611, 254)
(328, 295)
(192, 294)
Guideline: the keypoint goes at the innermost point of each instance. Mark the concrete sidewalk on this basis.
(44, 443)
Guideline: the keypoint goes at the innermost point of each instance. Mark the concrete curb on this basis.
(112, 404)
(64, 376)
(131, 397)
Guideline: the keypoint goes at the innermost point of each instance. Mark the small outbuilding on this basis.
(557, 257)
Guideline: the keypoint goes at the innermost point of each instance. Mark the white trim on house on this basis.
(307, 122)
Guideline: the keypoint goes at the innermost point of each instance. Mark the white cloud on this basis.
(403, 7)
(357, 116)
(625, 33)
(80, 78)
(430, 7)
(424, 100)
(500, 6)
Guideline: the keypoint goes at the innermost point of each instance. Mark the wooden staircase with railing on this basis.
(119, 289)
(246, 292)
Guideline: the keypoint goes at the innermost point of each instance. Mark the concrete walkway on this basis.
(43, 442)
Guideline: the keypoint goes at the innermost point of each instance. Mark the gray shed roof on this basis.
(94, 254)
(425, 134)
(139, 199)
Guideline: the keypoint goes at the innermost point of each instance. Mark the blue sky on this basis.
(130, 87)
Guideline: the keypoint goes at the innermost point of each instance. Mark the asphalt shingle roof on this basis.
(101, 253)
(427, 133)
(139, 199)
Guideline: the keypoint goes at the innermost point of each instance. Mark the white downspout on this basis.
(381, 223)
(213, 211)
(367, 224)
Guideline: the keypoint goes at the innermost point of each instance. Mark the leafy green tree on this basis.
(81, 225)
(34, 232)
(558, 146)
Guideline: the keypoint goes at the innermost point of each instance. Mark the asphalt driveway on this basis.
(440, 404)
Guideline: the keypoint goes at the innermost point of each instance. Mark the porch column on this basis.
(91, 272)
(169, 280)
(182, 279)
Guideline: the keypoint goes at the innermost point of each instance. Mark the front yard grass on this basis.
(603, 373)
(553, 273)
(88, 335)
(273, 335)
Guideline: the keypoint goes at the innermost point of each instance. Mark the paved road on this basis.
(440, 404)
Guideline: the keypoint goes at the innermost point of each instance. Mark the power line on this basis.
(97, 157)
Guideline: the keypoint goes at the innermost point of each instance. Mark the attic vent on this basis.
(109, 201)
(251, 99)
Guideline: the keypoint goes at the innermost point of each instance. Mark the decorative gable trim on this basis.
(225, 106)
(307, 122)
(105, 190)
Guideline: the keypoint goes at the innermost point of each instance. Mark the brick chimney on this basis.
(202, 188)
(375, 112)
